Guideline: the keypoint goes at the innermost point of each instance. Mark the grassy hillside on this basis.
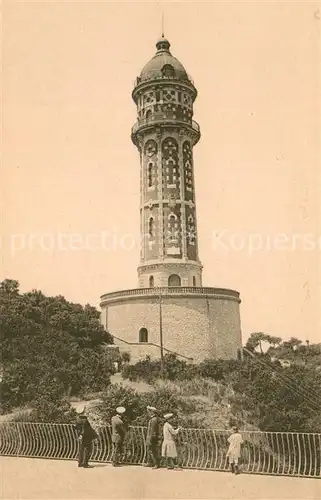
(55, 352)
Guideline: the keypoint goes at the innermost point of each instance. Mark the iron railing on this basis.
(139, 80)
(161, 118)
(276, 453)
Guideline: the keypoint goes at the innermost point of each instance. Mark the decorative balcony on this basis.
(222, 293)
(161, 119)
(153, 78)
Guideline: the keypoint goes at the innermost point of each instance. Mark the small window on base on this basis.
(143, 335)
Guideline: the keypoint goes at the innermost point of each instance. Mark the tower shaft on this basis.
(165, 135)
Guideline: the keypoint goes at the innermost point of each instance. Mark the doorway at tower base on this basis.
(196, 323)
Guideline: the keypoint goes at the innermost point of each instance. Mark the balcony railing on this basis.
(138, 80)
(159, 118)
(274, 453)
(173, 290)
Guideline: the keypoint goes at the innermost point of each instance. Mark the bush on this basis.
(164, 399)
(149, 370)
(49, 346)
(48, 409)
(213, 369)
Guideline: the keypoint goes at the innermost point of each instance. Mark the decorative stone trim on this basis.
(196, 292)
(163, 266)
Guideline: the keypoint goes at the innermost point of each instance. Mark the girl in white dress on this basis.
(169, 449)
(234, 451)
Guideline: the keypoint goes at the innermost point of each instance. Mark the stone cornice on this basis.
(163, 265)
(161, 125)
(150, 202)
(170, 292)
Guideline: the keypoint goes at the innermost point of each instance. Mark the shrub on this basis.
(50, 409)
(49, 344)
(164, 399)
(149, 371)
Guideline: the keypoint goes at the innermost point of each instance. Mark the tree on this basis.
(49, 346)
(256, 340)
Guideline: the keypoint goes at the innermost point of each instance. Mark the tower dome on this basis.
(163, 64)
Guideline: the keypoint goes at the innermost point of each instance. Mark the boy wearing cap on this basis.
(86, 435)
(118, 435)
(152, 438)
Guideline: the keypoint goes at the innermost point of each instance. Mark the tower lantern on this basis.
(165, 134)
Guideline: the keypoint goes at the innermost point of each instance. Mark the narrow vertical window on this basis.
(151, 227)
(150, 175)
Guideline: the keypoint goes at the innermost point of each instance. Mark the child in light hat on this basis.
(234, 451)
(169, 449)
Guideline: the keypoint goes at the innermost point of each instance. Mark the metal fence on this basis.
(277, 453)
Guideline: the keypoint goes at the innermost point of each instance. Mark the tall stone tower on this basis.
(165, 135)
(170, 311)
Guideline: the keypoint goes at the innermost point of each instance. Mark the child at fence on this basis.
(234, 451)
(169, 449)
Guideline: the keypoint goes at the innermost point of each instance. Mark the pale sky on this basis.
(69, 167)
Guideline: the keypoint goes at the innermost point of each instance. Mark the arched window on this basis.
(143, 335)
(194, 281)
(148, 114)
(150, 175)
(151, 227)
(151, 281)
(172, 228)
(174, 280)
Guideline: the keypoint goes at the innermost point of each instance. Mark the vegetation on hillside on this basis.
(258, 390)
(54, 350)
(51, 349)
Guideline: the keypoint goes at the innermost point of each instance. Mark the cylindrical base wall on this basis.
(195, 327)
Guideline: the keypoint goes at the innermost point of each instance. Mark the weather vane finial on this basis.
(162, 24)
